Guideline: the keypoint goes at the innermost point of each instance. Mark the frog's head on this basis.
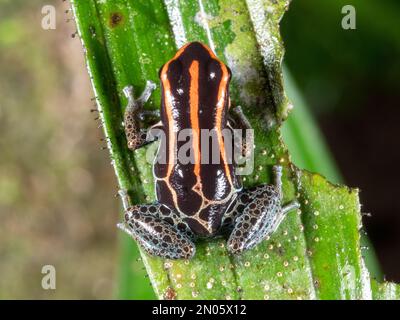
(196, 59)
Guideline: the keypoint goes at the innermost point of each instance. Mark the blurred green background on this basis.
(349, 80)
(57, 187)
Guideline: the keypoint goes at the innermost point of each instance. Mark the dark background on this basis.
(350, 81)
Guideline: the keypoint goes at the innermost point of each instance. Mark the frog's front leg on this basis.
(134, 114)
(157, 229)
(238, 120)
(262, 214)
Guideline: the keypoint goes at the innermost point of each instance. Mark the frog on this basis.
(197, 200)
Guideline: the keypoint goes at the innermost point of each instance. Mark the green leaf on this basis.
(315, 254)
(309, 151)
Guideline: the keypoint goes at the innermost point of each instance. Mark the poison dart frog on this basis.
(196, 200)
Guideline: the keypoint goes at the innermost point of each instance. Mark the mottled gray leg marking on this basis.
(134, 114)
(261, 216)
(157, 229)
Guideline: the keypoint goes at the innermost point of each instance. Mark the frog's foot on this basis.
(134, 114)
(155, 235)
(262, 215)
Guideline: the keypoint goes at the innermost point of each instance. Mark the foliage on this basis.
(316, 253)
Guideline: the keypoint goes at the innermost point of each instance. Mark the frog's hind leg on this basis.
(134, 114)
(155, 228)
(156, 236)
(262, 214)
